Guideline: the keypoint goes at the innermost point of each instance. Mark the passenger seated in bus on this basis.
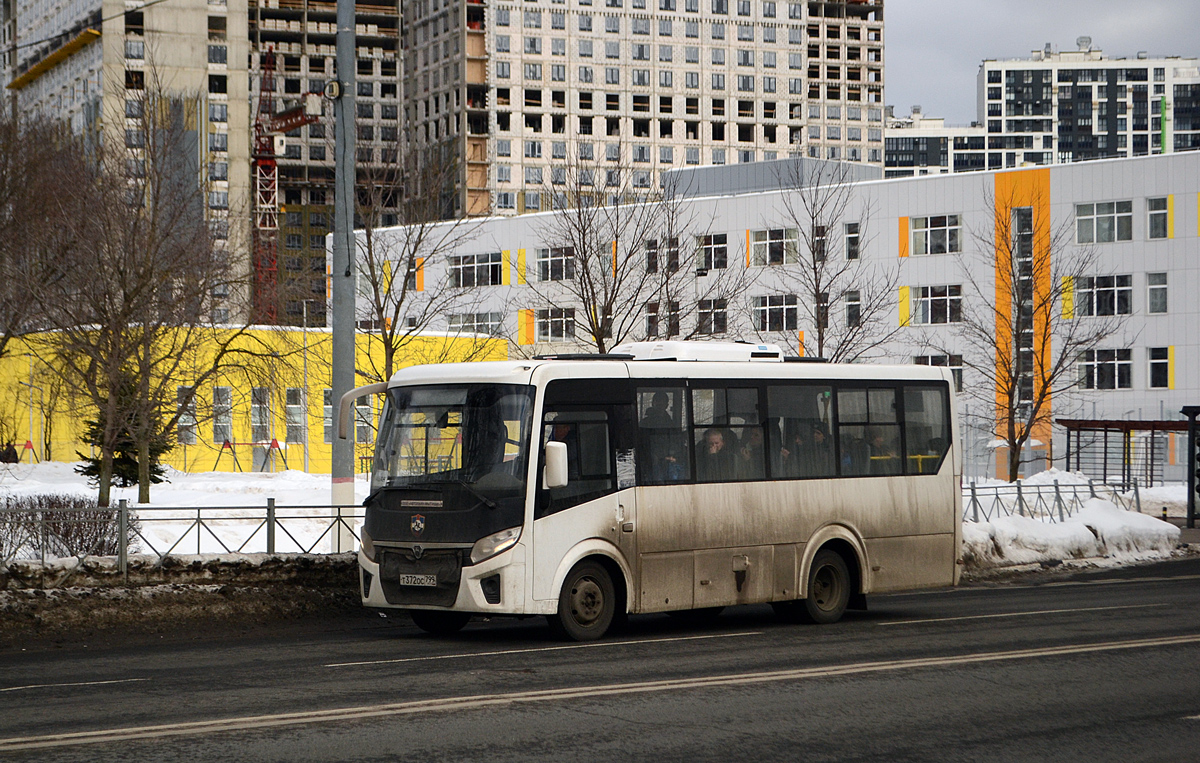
(788, 464)
(663, 441)
(818, 460)
(715, 458)
(856, 454)
(884, 459)
(751, 454)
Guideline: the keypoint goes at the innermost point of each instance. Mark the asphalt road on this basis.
(1097, 667)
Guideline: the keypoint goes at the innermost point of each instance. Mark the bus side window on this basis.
(926, 429)
(589, 458)
(662, 436)
(868, 432)
(728, 435)
(799, 435)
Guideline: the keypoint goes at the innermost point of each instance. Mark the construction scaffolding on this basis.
(1118, 452)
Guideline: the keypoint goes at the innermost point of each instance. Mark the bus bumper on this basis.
(494, 586)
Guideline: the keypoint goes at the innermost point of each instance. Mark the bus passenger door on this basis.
(597, 501)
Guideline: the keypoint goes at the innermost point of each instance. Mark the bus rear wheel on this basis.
(828, 589)
(439, 623)
(586, 604)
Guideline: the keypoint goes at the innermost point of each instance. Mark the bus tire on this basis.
(439, 623)
(828, 589)
(586, 603)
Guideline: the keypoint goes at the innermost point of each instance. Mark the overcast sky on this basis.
(934, 47)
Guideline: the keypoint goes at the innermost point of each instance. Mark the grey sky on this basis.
(934, 47)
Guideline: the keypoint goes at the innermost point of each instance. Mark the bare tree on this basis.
(135, 271)
(36, 158)
(622, 262)
(820, 246)
(1022, 329)
(403, 236)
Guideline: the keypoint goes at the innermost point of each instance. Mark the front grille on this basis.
(446, 564)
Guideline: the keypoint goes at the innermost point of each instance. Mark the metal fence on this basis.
(160, 532)
(1048, 503)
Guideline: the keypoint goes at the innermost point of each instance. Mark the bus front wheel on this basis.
(828, 592)
(439, 623)
(586, 604)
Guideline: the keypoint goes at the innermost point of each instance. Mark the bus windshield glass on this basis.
(476, 435)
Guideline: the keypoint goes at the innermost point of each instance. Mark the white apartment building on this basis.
(922, 145)
(623, 90)
(1073, 105)
(1056, 107)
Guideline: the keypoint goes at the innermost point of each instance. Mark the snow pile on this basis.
(1099, 530)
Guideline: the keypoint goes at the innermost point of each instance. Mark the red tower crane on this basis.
(268, 126)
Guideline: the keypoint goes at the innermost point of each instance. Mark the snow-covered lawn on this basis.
(1101, 532)
(241, 498)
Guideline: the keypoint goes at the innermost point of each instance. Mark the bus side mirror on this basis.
(556, 465)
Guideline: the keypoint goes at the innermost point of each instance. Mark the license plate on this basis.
(429, 581)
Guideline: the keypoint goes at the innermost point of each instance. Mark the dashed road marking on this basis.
(1027, 613)
(531, 650)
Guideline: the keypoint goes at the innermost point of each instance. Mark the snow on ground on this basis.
(1100, 531)
(236, 525)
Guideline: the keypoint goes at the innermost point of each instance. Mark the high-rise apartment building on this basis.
(1076, 105)
(921, 145)
(91, 63)
(526, 91)
(8, 49)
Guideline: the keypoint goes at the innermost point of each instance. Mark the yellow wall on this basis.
(277, 364)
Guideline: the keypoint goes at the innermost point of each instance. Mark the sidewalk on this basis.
(1189, 535)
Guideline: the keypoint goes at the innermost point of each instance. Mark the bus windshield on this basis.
(475, 435)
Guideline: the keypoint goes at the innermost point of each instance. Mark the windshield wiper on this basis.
(482, 498)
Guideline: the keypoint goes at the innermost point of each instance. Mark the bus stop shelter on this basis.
(1119, 451)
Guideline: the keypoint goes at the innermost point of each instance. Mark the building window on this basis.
(666, 257)
(555, 324)
(1160, 367)
(217, 54)
(936, 304)
(1104, 223)
(775, 312)
(222, 413)
(714, 250)
(1106, 369)
(1104, 295)
(1156, 292)
(295, 414)
(488, 324)
(556, 264)
(853, 309)
(475, 270)
(506, 200)
(776, 246)
(185, 431)
(327, 414)
(953, 362)
(936, 235)
(260, 414)
(714, 317)
(655, 328)
(218, 112)
(852, 241)
(1158, 217)
(364, 432)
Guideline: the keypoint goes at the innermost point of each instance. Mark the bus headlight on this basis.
(486, 548)
(368, 545)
